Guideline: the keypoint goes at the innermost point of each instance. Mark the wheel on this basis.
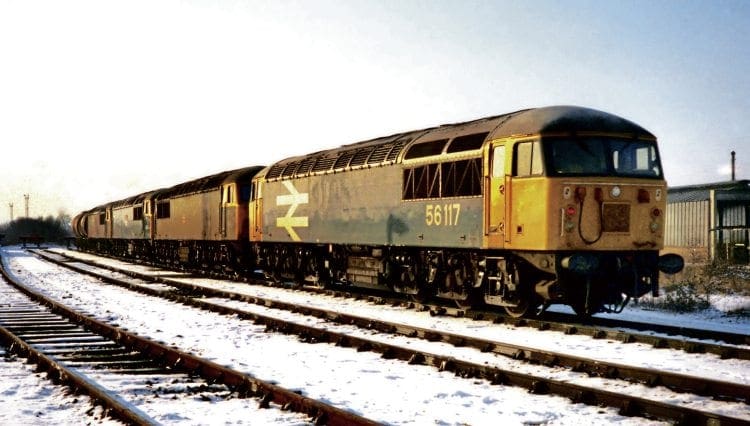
(471, 300)
(410, 280)
(523, 309)
(421, 296)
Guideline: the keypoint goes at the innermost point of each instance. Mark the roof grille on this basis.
(275, 171)
(398, 146)
(360, 156)
(344, 159)
(305, 166)
(324, 164)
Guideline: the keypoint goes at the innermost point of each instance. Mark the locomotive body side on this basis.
(365, 207)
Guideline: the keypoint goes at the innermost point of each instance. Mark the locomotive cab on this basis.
(583, 214)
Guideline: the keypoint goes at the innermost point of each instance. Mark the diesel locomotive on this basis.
(522, 210)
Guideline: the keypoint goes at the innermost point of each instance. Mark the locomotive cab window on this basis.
(600, 156)
(635, 158)
(528, 159)
(138, 213)
(245, 192)
(498, 161)
(102, 218)
(228, 195)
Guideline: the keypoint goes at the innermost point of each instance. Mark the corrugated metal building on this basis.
(709, 222)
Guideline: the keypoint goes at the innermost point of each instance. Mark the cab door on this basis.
(495, 197)
(256, 212)
(109, 224)
(225, 203)
(149, 221)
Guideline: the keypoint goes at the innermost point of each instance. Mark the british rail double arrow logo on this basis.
(293, 200)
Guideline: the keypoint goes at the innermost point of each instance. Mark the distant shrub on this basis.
(49, 229)
(683, 297)
(695, 291)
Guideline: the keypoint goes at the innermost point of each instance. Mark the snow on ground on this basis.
(28, 398)
(632, 354)
(385, 390)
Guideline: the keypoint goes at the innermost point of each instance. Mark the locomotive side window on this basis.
(425, 149)
(102, 218)
(460, 178)
(467, 142)
(421, 182)
(138, 213)
(162, 209)
(528, 159)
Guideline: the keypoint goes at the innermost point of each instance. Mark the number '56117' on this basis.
(442, 214)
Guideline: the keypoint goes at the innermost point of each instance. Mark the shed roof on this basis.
(738, 190)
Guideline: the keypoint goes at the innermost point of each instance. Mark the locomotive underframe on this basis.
(225, 257)
(520, 282)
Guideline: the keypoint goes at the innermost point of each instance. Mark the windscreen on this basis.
(596, 156)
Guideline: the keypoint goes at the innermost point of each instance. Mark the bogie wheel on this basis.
(581, 312)
(527, 299)
(421, 296)
(469, 302)
(524, 309)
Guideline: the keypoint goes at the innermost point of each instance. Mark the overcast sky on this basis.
(100, 100)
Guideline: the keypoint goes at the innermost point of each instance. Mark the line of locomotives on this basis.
(550, 205)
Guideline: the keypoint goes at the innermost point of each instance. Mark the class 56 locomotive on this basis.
(521, 210)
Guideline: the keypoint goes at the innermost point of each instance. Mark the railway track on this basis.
(627, 404)
(690, 340)
(82, 352)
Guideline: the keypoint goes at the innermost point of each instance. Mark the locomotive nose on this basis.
(671, 263)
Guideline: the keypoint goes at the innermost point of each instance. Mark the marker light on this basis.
(598, 195)
(615, 191)
(643, 196)
(655, 212)
(570, 211)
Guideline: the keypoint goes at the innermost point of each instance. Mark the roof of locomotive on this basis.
(390, 149)
(193, 186)
(210, 182)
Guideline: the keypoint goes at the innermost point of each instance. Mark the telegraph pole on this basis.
(26, 204)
